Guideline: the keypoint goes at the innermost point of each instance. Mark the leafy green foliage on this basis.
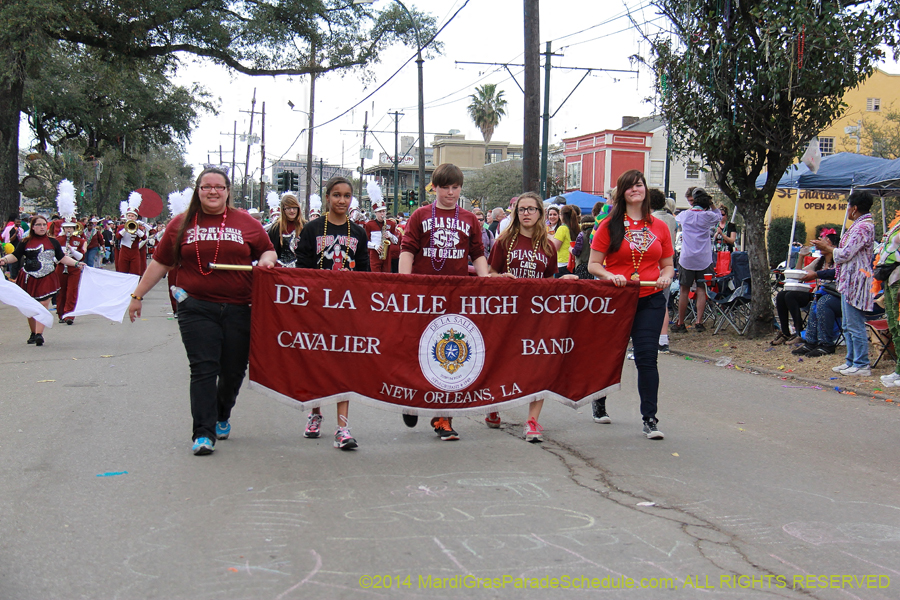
(495, 184)
(880, 138)
(779, 237)
(487, 107)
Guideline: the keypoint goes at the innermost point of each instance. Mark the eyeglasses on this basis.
(527, 210)
(480, 218)
(209, 188)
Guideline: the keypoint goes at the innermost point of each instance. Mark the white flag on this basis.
(104, 293)
(15, 296)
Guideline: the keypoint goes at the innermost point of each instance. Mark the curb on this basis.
(826, 385)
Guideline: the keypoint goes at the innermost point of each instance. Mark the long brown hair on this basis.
(194, 207)
(568, 216)
(539, 235)
(616, 219)
(289, 200)
(31, 227)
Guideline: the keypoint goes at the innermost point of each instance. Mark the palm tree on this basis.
(486, 109)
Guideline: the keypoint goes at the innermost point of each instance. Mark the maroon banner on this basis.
(436, 346)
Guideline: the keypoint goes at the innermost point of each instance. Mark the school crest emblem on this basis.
(451, 352)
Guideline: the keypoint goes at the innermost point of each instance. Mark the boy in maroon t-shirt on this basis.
(439, 240)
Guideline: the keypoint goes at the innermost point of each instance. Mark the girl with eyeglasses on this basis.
(524, 251)
(213, 305)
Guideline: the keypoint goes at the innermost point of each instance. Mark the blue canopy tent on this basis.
(582, 200)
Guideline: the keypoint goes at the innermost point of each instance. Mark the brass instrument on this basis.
(385, 241)
(131, 227)
(79, 229)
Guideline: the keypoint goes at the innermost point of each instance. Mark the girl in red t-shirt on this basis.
(524, 250)
(636, 247)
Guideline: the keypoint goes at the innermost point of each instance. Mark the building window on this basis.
(492, 156)
(873, 104)
(573, 175)
(657, 172)
(826, 146)
(514, 155)
(692, 170)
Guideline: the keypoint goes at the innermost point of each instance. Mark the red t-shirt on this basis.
(524, 261)
(442, 244)
(244, 241)
(655, 241)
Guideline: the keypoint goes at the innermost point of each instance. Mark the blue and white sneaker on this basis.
(203, 446)
(223, 430)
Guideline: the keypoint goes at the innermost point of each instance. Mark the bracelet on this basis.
(138, 298)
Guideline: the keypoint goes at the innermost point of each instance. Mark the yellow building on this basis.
(866, 103)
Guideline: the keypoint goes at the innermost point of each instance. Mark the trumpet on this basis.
(131, 227)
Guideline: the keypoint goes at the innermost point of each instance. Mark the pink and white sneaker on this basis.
(533, 432)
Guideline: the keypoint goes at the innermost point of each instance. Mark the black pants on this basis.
(216, 338)
(791, 302)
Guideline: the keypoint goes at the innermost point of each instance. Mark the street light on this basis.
(308, 155)
(419, 62)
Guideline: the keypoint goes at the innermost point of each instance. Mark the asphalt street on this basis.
(758, 490)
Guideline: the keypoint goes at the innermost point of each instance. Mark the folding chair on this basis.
(879, 334)
(733, 300)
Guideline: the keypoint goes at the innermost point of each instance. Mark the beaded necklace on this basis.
(629, 236)
(343, 254)
(218, 241)
(512, 246)
(442, 261)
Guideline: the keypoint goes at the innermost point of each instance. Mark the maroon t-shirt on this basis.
(524, 261)
(442, 244)
(243, 242)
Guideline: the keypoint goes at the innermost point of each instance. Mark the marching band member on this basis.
(131, 237)
(284, 231)
(343, 250)
(439, 240)
(39, 254)
(383, 238)
(524, 250)
(74, 245)
(214, 311)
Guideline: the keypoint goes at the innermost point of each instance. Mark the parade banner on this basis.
(435, 345)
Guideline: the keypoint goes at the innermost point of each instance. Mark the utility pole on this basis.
(397, 116)
(233, 156)
(545, 138)
(532, 132)
(249, 143)
(262, 160)
(309, 148)
(362, 156)
(321, 183)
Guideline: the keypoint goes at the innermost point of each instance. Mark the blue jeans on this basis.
(216, 338)
(648, 321)
(90, 258)
(855, 333)
(820, 330)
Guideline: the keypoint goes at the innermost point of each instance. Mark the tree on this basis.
(486, 109)
(746, 85)
(254, 37)
(881, 137)
(495, 184)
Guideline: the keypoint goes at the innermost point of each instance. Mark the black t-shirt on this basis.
(719, 244)
(336, 250)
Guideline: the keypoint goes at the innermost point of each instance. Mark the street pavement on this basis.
(758, 490)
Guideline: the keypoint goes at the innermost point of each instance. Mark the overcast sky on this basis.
(483, 31)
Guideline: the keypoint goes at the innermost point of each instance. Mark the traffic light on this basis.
(413, 198)
(282, 179)
(295, 181)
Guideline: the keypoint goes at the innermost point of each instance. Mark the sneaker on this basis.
(779, 339)
(313, 424)
(492, 420)
(61, 321)
(70, 321)
(223, 430)
(410, 420)
(699, 327)
(443, 428)
(599, 409)
(31, 338)
(663, 348)
(630, 355)
(342, 439)
(863, 371)
(203, 446)
(38, 339)
(803, 350)
(820, 351)
(651, 431)
(678, 328)
(533, 431)
(892, 380)
(840, 368)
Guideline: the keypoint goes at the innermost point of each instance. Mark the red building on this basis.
(594, 161)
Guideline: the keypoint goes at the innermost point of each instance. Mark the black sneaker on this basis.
(678, 328)
(410, 420)
(38, 339)
(820, 351)
(804, 350)
(651, 431)
(699, 328)
(443, 427)
(598, 407)
(31, 338)
(663, 348)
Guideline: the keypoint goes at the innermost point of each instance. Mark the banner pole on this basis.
(230, 267)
